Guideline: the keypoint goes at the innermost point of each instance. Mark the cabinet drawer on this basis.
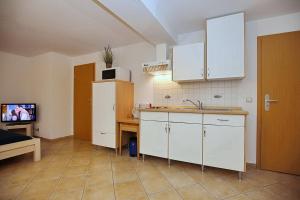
(155, 116)
(192, 118)
(104, 139)
(224, 120)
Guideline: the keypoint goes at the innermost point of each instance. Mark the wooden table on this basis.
(129, 125)
(28, 127)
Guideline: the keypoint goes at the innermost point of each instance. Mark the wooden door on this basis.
(279, 77)
(84, 75)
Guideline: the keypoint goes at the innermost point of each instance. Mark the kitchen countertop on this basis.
(205, 110)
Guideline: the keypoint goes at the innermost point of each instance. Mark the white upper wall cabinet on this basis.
(188, 62)
(225, 47)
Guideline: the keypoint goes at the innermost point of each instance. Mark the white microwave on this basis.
(116, 73)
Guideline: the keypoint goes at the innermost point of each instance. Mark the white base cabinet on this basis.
(185, 142)
(223, 141)
(207, 139)
(154, 138)
(223, 147)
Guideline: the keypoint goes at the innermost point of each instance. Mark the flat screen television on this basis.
(18, 112)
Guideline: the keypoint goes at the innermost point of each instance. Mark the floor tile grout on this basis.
(260, 182)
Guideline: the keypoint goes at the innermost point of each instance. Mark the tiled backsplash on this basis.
(207, 92)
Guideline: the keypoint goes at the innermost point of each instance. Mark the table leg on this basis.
(138, 144)
(120, 144)
(29, 130)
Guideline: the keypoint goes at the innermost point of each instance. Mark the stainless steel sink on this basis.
(221, 109)
(206, 109)
(187, 108)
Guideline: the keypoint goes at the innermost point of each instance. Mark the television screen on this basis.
(24, 112)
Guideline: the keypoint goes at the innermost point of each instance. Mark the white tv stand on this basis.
(27, 126)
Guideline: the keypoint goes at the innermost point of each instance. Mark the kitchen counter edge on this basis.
(223, 112)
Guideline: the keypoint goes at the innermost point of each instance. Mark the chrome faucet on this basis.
(199, 105)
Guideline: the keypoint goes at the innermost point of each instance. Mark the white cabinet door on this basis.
(223, 147)
(185, 142)
(154, 138)
(104, 139)
(188, 62)
(104, 116)
(225, 47)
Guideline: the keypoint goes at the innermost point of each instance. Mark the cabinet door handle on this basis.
(166, 129)
(114, 107)
(102, 133)
(223, 120)
(204, 133)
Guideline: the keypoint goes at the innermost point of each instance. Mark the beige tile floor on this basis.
(74, 169)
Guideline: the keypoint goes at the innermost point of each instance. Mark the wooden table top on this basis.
(129, 121)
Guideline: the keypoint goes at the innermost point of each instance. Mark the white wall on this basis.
(52, 91)
(193, 37)
(15, 81)
(45, 80)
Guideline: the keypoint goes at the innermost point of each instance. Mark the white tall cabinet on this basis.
(188, 62)
(225, 47)
(104, 115)
(112, 100)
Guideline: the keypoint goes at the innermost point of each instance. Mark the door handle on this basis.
(271, 100)
(268, 101)
(223, 120)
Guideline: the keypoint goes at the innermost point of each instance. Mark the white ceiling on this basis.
(70, 27)
(75, 27)
(184, 16)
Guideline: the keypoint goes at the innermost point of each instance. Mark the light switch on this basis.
(249, 99)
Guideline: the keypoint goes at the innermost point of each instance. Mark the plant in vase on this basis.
(108, 56)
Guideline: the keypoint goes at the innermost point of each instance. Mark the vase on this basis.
(108, 65)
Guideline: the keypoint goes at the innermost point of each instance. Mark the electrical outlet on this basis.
(37, 129)
(249, 100)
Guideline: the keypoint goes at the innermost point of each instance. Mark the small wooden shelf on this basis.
(28, 127)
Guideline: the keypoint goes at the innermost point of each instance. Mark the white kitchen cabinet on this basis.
(225, 47)
(188, 62)
(104, 115)
(112, 100)
(185, 142)
(214, 140)
(154, 138)
(223, 142)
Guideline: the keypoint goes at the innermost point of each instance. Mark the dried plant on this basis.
(108, 55)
